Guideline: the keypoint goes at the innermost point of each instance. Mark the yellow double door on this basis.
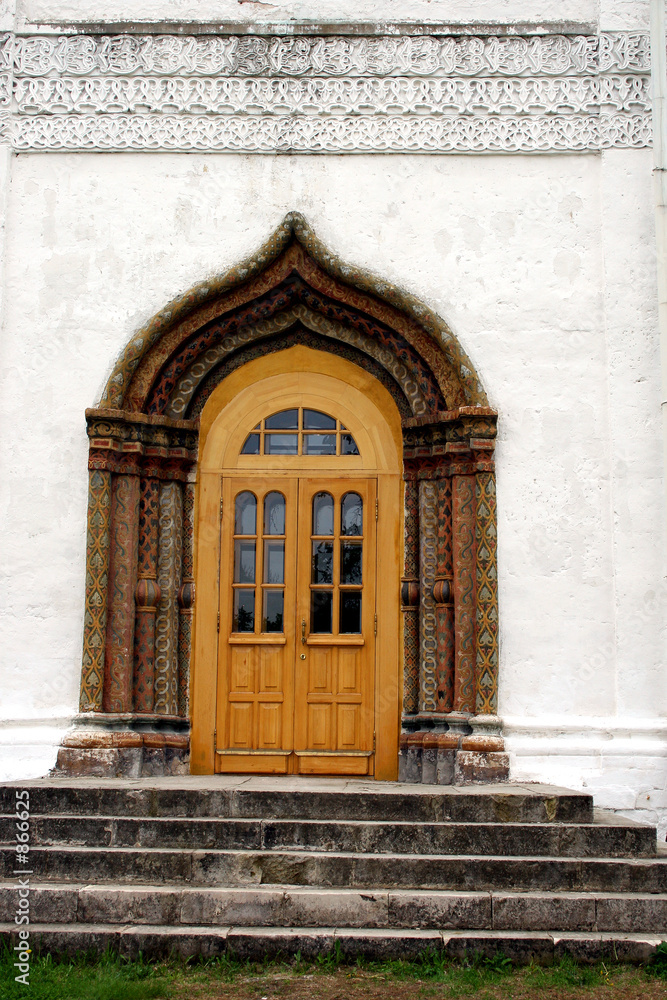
(297, 625)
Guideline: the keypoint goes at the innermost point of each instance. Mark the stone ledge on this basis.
(130, 760)
(452, 758)
(257, 942)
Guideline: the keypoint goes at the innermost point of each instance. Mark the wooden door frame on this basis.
(299, 376)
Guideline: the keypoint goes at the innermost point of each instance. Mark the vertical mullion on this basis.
(335, 623)
(259, 564)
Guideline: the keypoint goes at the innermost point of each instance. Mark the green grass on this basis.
(110, 977)
(86, 977)
(658, 964)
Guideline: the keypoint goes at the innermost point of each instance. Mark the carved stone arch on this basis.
(142, 475)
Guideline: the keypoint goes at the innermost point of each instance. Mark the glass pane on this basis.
(321, 604)
(274, 514)
(352, 515)
(323, 514)
(319, 444)
(286, 420)
(350, 611)
(350, 562)
(274, 562)
(313, 420)
(281, 444)
(244, 611)
(348, 446)
(244, 562)
(251, 446)
(245, 514)
(272, 618)
(322, 562)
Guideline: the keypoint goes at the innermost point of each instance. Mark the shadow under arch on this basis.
(143, 439)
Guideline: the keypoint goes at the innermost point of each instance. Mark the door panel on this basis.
(334, 682)
(297, 626)
(256, 638)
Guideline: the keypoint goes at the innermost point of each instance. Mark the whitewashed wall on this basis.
(544, 267)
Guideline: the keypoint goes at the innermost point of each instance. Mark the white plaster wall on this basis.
(284, 11)
(609, 15)
(544, 268)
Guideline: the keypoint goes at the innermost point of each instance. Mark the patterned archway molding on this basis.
(144, 439)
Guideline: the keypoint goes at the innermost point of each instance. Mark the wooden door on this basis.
(335, 668)
(296, 649)
(256, 640)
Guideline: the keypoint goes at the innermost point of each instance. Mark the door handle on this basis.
(303, 631)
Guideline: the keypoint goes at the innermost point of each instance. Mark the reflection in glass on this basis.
(350, 562)
(245, 518)
(244, 562)
(313, 420)
(272, 615)
(348, 446)
(281, 444)
(274, 514)
(251, 446)
(244, 611)
(321, 605)
(274, 562)
(323, 514)
(286, 420)
(352, 519)
(322, 562)
(350, 611)
(319, 444)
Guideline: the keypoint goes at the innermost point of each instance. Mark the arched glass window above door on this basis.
(300, 431)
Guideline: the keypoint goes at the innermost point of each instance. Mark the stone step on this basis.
(257, 943)
(353, 870)
(278, 906)
(288, 798)
(610, 837)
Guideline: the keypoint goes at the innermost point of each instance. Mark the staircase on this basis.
(257, 866)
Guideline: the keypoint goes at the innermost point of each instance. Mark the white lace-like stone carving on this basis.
(395, 96)
(427, 93)
(426, 55)
(339, 134)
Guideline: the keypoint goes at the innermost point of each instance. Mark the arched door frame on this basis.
(299, 376)
(144, 444)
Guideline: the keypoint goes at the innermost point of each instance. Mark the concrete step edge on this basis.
(538, 826)
(88, 904)
(261, 942)
(299, 852)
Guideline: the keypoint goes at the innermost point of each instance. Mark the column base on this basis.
(454, 750)
(131, 746)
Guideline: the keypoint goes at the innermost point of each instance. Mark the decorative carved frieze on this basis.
(335, 56)
(423, 93)
(352, 96)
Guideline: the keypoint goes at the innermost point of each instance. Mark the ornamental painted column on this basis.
(463, 539)
(186, 598)
(428, 525)
(486, 577)
(119, 653)
(169, 581)
(97, 577)
(443, 596)
(147, 596)
(410, 600)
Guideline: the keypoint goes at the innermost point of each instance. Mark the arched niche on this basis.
(145, 444)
